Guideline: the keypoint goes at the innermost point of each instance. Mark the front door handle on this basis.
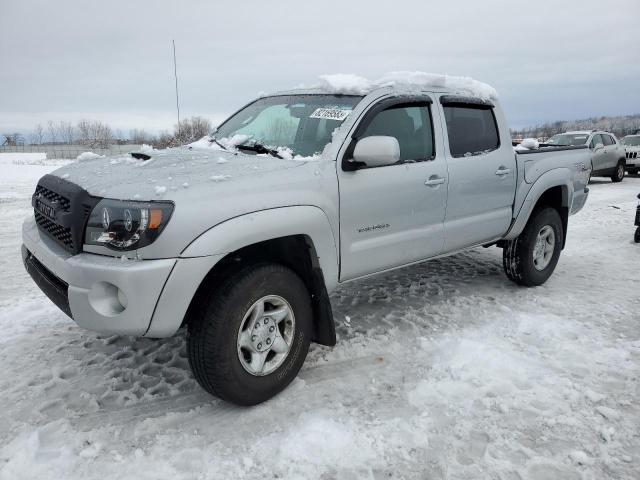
(502, 171)
(434, 181)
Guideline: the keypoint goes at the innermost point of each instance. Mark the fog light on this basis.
(107, 299)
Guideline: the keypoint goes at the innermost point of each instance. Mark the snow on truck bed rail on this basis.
(350, 84)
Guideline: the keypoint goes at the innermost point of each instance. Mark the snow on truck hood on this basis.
(168, 172)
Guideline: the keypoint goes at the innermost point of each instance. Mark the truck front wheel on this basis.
(530, 259)
(247, 339)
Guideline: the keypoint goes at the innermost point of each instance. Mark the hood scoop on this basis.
(140, 156)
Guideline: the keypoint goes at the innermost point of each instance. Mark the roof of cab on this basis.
(348, 84)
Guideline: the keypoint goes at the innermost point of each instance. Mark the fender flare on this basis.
(204, 253)
(262, 225)
(553, 178)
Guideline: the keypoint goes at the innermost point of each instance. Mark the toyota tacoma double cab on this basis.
(241, 236)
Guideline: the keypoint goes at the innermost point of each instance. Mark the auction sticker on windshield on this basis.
(330, 113)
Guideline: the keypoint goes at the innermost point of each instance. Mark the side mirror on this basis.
(377, 151)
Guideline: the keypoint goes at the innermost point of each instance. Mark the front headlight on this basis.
(124, 225)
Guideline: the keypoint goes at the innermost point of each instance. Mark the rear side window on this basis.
(472, 130)
(410, 125)
(607, 140)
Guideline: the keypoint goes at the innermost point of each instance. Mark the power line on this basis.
(175, 73)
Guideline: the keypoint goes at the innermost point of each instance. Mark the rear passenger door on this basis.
(610, 149)
(598, 153)
(482, 173)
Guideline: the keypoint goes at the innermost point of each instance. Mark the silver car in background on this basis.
(607, 154)
(631, 144)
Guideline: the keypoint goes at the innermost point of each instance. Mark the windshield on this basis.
(568, 139)
(631, 141)
(300, 123)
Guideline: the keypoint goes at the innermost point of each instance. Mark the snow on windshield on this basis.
(350, 84)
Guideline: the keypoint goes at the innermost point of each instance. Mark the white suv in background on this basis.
(631, 144)
(607, 155)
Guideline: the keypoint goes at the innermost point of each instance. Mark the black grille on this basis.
(71, 208)
(632, 154)
(53, 197)
(62, 234)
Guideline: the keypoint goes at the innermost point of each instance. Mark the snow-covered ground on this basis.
(442, 371)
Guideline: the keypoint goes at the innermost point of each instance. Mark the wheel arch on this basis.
(550, 190)
(298, 237)
(296, 252)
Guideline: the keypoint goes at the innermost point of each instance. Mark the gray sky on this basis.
(112, 60)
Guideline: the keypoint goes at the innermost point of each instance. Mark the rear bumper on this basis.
(100, 293)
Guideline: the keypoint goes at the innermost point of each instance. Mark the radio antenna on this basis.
(175, 73)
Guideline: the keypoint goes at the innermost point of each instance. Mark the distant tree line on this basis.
(619, 126)
(97, 134)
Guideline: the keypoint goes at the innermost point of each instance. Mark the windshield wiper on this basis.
(259, 148)
(214, 139)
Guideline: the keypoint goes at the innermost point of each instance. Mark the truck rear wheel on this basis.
(530, 259)
(247, 340)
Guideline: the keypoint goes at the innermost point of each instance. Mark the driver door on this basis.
(393, 215)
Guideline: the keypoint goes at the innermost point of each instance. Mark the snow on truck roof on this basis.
(350, 84)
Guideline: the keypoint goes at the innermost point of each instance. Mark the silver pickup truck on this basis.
(241, 236)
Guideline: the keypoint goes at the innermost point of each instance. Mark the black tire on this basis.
(213, 330)
(618, 174)
(636, 236)
(517, 255)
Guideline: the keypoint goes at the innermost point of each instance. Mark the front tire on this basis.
(618, 174)
(636, 236)
(247, 340)
(531, 258)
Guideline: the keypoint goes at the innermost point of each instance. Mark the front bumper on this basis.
(632, 159)
(105, 294)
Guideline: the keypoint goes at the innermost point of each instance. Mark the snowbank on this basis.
(22, 158)
(88, 156)
(350, 84)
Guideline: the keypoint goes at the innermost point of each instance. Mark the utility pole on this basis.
(175, 73)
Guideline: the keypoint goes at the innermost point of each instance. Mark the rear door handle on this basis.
(434, 181)
(502, 171)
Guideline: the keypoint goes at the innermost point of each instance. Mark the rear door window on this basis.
(607, 140)
(472, 130)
